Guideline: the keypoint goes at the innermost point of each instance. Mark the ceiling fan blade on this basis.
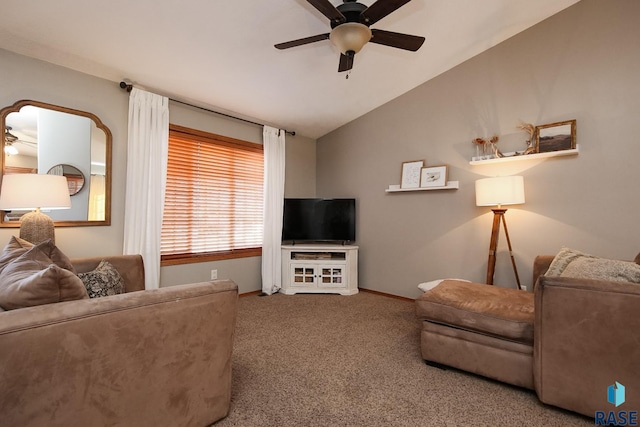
(300, 42)
(380, 9)
(398, 40)
(328, 10)
(346, 62)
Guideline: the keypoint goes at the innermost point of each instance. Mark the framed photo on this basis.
(411, 174)
(556, 136)
(434, 176)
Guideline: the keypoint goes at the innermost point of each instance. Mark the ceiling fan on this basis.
(350, 23)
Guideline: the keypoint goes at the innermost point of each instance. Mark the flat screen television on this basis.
(319, 220)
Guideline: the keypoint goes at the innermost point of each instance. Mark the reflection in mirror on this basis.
(44, 138)
(75, 178)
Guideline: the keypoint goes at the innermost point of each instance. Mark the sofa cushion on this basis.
(18, 246)
(572, 263)
(103, 281)
(491, 310)
(33, 279)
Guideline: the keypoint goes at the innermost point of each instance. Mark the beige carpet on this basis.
(331, 360)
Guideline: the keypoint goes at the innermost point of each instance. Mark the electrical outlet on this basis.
(214, 274)
(524, 288)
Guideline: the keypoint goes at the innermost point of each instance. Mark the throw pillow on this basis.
(104, 281)
(572, 263)
(427, 286)
(18, 246)
(562, 259)
(32, 279)
(13, 250)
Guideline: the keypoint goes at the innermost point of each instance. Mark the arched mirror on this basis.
(44, 138)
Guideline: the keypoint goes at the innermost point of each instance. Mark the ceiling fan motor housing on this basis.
(351, 11)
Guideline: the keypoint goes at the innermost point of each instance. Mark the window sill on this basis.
(166, 260)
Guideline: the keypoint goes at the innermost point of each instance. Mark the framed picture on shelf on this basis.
(411, 174)
(434, 176)
(556, 136)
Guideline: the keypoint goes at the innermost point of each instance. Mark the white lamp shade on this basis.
(501, 190)
(28, 191)
(350, 36)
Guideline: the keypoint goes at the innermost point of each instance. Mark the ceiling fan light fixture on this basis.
(350, 36)
(10, 150)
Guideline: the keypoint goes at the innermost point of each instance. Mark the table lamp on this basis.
(26, 191)
(499, 191)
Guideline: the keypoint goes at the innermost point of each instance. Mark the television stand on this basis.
(319, 269)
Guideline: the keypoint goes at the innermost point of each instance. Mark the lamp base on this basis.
(498, 218)
(36, 227)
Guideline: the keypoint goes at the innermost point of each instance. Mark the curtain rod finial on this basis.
(127, 86)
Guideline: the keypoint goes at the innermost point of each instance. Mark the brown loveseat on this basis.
(157, 357)
(569, 340)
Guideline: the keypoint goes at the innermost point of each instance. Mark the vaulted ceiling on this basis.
(221, 55)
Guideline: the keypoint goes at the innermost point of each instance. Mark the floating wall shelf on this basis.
(451, 185)
(572, 152)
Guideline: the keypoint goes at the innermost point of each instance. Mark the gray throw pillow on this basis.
(33, 279)
(572, 263)
(18, 246)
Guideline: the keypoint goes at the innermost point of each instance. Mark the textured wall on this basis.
(26, 78)
(582, 64)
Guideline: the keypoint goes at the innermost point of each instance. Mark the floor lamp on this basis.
(499, 191)
(30, 191)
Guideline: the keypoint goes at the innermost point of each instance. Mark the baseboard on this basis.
(248, 294)
(384, 294)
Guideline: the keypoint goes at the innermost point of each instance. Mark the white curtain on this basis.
(146, 177)
(97, 192)
(274, 159)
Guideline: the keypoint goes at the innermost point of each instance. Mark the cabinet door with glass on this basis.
(303, 275)
(332, 276)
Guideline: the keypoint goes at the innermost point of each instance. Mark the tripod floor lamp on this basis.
(499, 191)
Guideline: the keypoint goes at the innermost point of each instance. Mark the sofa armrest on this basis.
(540, 266)
(156, 357)
(585, 339)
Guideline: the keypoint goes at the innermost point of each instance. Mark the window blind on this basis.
(214, 197)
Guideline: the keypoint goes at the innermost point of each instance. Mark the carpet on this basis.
(331, 360)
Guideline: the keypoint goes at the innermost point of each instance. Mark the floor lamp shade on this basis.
(501, 190)
(498, 191)
(35, 192)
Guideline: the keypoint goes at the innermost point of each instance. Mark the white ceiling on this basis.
(220, 55)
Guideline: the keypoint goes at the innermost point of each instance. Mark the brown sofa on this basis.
(157, 357)
(569, 340)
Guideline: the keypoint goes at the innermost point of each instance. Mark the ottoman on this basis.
(483, 329)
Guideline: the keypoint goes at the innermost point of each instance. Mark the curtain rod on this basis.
(128, 87)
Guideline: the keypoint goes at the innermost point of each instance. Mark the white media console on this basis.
(318, 268)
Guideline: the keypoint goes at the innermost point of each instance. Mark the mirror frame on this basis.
(4, 112)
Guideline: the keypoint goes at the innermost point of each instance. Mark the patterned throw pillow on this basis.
(572, 263)
(104, 281)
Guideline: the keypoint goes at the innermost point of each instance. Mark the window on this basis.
(213, 201)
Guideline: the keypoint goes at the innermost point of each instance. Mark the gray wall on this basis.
(26, 78)
(583, 64)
